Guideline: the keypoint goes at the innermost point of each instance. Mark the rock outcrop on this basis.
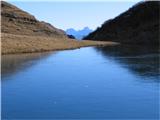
(138, 25)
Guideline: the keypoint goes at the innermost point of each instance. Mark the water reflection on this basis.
(142, 61)
(11, 64)
(79, 84)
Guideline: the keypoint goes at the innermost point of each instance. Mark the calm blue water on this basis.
(86, 83)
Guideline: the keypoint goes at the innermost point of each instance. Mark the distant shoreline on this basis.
(14, 44)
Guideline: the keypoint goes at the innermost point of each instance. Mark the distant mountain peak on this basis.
(79, 34)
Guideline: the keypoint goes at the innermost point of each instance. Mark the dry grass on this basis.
(12, 44)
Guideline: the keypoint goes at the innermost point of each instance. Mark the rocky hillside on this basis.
(19, 22)
(138, 25)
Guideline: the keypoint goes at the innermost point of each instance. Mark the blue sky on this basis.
(63, 15)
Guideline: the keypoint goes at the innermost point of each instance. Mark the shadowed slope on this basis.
(138, 25)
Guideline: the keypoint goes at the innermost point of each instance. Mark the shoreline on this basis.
(19, 44)
(56, 50)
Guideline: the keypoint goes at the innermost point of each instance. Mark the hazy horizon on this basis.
(77, 15)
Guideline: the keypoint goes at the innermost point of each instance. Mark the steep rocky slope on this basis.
(16, 21)
(138, 25)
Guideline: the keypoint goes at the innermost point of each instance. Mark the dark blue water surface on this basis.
(88, 83)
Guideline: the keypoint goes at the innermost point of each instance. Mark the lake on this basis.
(115, 82)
